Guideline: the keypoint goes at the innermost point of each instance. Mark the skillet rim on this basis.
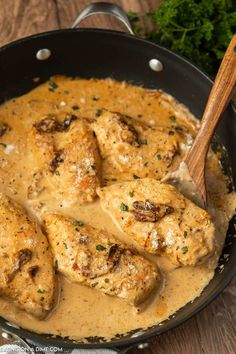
(152, 332)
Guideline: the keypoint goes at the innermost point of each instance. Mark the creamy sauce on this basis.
(82, 312)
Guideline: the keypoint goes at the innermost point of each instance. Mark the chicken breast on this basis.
(67, 156)
(92, 257)
(27, 275)
(161, 220)
(132, 149)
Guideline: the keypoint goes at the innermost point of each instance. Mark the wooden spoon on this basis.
(189, 178)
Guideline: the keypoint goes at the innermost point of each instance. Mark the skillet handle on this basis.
(104, 8)
(11, 343)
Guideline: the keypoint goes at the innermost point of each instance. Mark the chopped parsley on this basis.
(77, 223)
(143, 142)
(131, 194)
(94, 285)
(158, 157)
(65, 245)
(100, 248)
(124, 207)
(75, 107)
(40, 291)
(53, 85)
(185, 234)
(197, 29)
(98, 112)
(173, 118)
(56, 265)
(57, 173)
(184, 249)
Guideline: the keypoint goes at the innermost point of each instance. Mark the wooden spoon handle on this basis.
(217, 101)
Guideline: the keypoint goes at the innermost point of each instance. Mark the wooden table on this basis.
(212, 331)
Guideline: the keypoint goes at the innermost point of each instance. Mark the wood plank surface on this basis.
(213, 331)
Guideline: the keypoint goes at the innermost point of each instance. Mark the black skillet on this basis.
(100, 53)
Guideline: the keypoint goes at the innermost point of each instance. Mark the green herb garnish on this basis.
(40, 291)
(172, 118)
(184, 249)
(199, 30)
(124, 207)
(65, 245)
(143, 142)
(158, 157)
(131, 194)
(53, 85)
(98, 112)
(100, 248)
(185, 234)
(56, 265)
(77, 223)
(94, 285)
(75, 107)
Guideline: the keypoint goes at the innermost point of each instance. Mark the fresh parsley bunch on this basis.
(198, 29)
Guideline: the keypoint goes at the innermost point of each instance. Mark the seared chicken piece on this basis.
(132, 149)
(92, 257)
(27, 275)
(161, 220)
(67, 155)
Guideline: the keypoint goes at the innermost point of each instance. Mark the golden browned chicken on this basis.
(67, 155)
(27, 275)
(161, 220)
(92, 257)
(132, 149)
